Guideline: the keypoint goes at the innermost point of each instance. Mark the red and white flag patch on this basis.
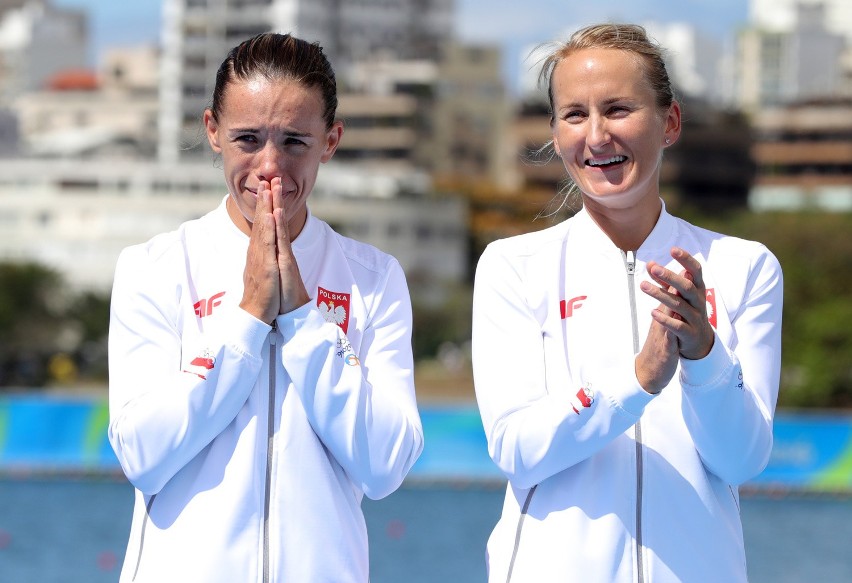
(334, 307)
(711, 306)
(582, 400)
(202, 364)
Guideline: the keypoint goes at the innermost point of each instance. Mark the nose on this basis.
(270, 163)
(598, 134)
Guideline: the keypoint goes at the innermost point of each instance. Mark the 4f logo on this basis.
(205, 307)
(566, 308)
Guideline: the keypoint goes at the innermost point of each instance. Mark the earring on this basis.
(668, 140)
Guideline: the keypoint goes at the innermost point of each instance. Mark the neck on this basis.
(627, 228)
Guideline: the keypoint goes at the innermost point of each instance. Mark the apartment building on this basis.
(803, 153)
(76, 215)
(198, 33)
(802, 60)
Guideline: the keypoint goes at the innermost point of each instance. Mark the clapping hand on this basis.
(680, 328)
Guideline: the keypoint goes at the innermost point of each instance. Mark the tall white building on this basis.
(781, 15)
(692, 61)
(804, 61)
(37, 41)
(197, 35)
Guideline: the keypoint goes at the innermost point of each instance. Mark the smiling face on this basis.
(608, 130)
(267, 129)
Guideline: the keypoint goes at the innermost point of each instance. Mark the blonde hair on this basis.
(630, 38)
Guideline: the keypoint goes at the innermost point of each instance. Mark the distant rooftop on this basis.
(73, 80)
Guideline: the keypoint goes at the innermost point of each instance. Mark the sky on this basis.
(515, 25)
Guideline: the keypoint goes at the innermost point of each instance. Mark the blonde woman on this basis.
(626, 362)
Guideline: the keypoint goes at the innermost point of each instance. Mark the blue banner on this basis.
(812, 451)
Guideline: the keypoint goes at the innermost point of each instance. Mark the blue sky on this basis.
(119, 23)
(513, 24)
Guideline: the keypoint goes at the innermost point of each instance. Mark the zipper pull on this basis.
(630, 262)
(273, 333)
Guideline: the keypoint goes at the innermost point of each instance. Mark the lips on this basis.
(605, 162)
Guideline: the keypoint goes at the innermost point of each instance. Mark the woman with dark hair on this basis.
(260, 363)
(626, 362)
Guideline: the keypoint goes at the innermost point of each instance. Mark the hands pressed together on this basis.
(272, 282)
(680, 328)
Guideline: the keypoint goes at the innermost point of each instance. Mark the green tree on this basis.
(815, 252)
(40, 318)
(31, 311)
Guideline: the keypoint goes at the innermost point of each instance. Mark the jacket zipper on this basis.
(142, 536)
(270, 426)
(524, 511)
(630, 264)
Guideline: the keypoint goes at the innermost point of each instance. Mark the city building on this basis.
(38, 40)
(198, 33)
(781, 61)
(456, 115)
(783, 15)
(694, 62)
(380, 130)
(76, 215)
(471, 119)
(803, 153)
(87, 181)
(84, 114)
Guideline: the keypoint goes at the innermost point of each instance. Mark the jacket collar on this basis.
(310, 234)
(661, 236)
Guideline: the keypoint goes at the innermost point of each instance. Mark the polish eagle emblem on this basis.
(711, 306)
(332, 313)
(334, 307)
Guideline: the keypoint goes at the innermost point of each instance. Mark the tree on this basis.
(815, 253)
(40, 318)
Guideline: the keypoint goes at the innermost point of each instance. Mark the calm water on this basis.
(75, 531)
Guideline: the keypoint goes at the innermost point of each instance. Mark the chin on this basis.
(613, 199)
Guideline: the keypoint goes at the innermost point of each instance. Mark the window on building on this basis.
(77, 184)
(394, 230)
(423, 232)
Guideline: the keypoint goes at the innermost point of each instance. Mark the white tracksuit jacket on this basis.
(250, 446)
(610, 484)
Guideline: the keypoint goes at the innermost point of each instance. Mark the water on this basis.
(75, 531)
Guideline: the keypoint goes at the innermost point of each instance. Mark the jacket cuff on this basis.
(247, 333)
(302, 316)
(708, 370)
(624, 391)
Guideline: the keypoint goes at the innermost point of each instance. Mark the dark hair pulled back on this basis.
(278, 57)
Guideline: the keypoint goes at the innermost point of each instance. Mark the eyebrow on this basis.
(288, 133)
(609, 101)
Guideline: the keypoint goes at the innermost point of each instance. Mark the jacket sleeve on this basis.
(533, 431)
(730, 395)
(362, 406)
(161, 416)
